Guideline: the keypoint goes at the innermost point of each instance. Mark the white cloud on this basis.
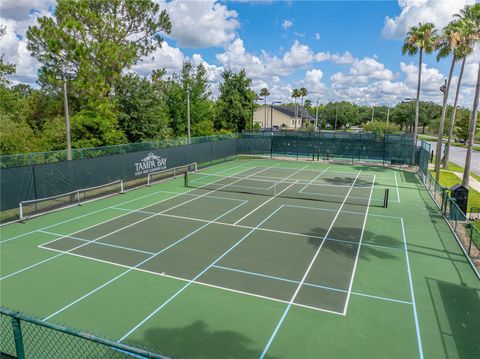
(236, 57)
(415, 11)
(286, 24)
(345, 58)
(200, 24)
(362, 71)
(14, 44)
(298, 55)
(214, 72)
(317, 36)
(167, 57)
(313, 82)
(432, 78)
(22, 9)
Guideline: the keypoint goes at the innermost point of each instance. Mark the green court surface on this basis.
(255, 258)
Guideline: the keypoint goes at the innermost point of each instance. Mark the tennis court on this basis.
(254, 258)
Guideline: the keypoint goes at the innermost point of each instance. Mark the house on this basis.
(278, 117)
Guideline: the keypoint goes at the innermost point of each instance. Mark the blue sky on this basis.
(338, 50)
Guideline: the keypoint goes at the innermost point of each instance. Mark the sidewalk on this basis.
(474, 183)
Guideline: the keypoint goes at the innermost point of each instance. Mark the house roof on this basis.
(303, 112)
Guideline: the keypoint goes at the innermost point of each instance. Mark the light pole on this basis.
(316, 117)
(388, 114)
(271, 113)
(63, 77)
(410, 101)
(336, 117)
(188, 115)
(373, 111)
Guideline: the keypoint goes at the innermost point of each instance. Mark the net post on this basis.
(387, 192)
(20, 212)
(122, 189)
(149, 179)
(18, 337)
(195, 167)
(185, 179)
(174, 172)
(77, 193)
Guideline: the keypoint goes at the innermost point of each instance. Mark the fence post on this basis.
(384, 148)
(17, 335)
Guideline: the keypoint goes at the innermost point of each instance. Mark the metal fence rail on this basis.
(22, 336)
(467, 236)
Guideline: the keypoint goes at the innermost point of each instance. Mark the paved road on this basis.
(458, 154)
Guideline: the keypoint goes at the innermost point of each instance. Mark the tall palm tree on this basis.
(303, 92)
(420, 39)
(471, 15)
(466, 29)
(265, 93)
(471, 133)
(295, 95)
(446, 46)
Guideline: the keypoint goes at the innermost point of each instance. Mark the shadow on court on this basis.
(351, 234)
(198, 340)
(457, 310)
(347, 181)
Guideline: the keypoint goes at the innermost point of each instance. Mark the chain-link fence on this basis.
(467, 235)
(38, 176)
(23, 336)
(26, 159)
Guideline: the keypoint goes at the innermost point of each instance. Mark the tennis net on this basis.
(365, 195)
(36, 207)
(173, 172)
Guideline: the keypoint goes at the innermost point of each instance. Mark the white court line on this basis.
(267, 201)
(314, 179)
(396, 186)
(352, 276)
(357, 213)
(202, 272)
(312, 285)
(88, 240)
(106, 208)
(410, 281)
(110, 233)
(195, 282)
(284, 315)
(263, 228)
(195, 278)
(139, 264)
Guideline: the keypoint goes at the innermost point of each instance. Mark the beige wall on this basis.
(279, 118)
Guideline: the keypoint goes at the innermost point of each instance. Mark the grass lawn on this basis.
(456, 168)
(448, 179)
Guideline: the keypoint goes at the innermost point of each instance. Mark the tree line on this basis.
(92, 47)
(457, 42)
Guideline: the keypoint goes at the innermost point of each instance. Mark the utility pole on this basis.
(67, 119)
(336, 116)
(188, 115)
